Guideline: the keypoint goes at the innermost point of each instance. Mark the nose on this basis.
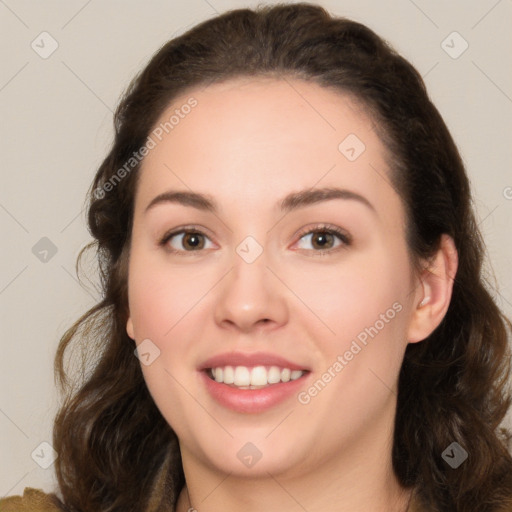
(251, 298)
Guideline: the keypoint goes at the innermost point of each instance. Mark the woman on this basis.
(287, 245)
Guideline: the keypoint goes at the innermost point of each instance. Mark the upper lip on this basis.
(250, 360)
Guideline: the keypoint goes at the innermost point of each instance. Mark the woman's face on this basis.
(295, 274)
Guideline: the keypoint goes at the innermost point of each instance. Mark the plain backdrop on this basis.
(56, 127)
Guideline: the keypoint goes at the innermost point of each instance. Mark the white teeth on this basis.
(274, 375)
(259, 376)
(255, 377)
(295, 374)
(229, 375)
(286, 374)
(242, 376)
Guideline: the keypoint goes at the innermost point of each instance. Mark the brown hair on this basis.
(111, 438)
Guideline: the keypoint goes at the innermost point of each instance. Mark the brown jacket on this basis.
(34, 500)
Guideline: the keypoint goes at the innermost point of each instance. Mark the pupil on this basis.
(193, 240)
(323, 238)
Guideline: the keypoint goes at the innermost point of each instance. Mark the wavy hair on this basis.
(453, 386)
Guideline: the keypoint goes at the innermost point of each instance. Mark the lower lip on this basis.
(252, 400)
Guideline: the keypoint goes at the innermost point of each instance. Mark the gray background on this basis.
(56, 128)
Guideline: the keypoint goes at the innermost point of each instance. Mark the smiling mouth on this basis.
(256, 377)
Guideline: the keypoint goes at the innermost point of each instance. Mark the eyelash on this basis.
(343, 236)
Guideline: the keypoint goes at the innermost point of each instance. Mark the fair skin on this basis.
(246, 145)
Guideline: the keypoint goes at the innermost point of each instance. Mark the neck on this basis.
(357, 478)
(276, 495)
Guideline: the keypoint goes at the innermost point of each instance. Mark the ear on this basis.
(129, 328)
(434, 291)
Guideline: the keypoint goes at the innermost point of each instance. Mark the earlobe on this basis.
(129, 328)
(435, 291)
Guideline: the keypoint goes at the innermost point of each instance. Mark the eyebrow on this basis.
(293, 201)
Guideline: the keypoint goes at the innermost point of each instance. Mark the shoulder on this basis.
(33, 500)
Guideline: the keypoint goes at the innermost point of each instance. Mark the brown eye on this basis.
(323, 239)
(185, 241)
(193, 241)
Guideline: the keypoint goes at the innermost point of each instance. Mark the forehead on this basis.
(257, 136)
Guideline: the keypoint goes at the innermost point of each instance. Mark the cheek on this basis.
(168, 307)
(365, 303)
(363, 311)
(162, 308)
(364, 290)
(160, 297)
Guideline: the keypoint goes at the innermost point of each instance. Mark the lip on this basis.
(251, 400)
(250, 360)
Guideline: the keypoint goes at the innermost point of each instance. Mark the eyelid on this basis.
(344, 236)
(341, 234)
(322, 226)
(163, 241)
